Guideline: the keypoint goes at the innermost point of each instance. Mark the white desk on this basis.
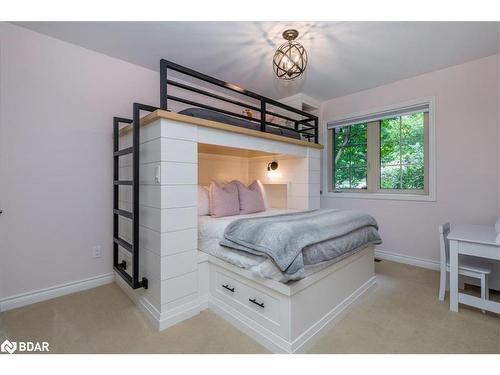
(478, 241)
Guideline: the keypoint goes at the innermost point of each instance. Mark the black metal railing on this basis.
(304, 124)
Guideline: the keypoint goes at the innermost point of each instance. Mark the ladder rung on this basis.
(127, 214)
(127, 246)
(123, 182)
(124, 151)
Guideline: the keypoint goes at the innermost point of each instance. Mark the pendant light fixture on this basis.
(290, 60)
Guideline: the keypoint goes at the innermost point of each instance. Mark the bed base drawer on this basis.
(262, 306)
(288, 318)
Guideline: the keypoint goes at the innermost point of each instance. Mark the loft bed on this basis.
(179, 278)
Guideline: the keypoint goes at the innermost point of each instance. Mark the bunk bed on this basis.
(304, 126)
(158, 267)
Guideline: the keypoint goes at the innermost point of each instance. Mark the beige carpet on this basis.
(401, 315)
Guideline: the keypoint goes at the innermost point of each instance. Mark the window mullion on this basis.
(373, 156)
(426, 153)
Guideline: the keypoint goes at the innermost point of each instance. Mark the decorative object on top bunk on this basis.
(268, 115)
(290, 60)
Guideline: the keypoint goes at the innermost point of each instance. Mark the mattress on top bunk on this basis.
(211, 232)
(208, 114)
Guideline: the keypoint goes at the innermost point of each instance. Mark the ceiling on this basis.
(344, 57)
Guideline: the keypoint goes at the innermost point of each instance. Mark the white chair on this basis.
(467, 266)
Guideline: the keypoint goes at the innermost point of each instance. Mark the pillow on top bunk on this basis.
(251, 197)
(224, 199)
(203, 201)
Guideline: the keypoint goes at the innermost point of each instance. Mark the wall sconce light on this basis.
(272, 170)
(272, 166)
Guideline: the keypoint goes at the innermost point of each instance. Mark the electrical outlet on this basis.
(96, 251)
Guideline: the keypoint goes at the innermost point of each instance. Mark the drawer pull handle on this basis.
(228, 288)
(255, 301)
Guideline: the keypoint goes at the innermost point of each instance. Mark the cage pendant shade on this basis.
(290, 60)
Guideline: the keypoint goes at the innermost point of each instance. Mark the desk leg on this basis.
(453, 275)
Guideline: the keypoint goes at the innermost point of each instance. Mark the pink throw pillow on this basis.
(251, 197)
(224, 199)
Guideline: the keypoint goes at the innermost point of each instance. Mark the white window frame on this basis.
(429, 195)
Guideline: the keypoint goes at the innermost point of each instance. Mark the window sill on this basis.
(383, 196)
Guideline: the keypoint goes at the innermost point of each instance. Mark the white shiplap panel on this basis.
(150, 263)
(298, 203)
(179, 150)
(150, 151)
(179, 241)
(169, 196)
(150, 239)
(178, 287)
(171, 173)
(225, 138)
(314, 152)
(178, 264)
(174, 219)
(150, 217)
(179, 130)
(167, 243)
(298, 189)
(314, 177)
(314, 164)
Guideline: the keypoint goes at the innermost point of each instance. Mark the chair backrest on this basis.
(444, 244)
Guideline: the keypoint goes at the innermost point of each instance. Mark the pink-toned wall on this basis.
(57, 102)
(468, 157)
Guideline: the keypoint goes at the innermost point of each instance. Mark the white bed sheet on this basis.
(211, 231)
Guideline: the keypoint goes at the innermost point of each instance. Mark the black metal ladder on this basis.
(133, 215)
(132, 248)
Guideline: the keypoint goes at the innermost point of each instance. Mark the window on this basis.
(383, 153)
(402, 152)
(350, 150)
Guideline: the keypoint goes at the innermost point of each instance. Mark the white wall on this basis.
(221, 168)
(467, 136)
(57, 101)
(300, 175)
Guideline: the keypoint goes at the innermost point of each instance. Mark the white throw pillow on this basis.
(203, 201)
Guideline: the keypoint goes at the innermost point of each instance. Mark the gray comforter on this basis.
(293, 240)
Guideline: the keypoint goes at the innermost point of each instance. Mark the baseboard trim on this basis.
(45, 294)
(179, 314)
(203, 301)
(406, 259)
(160, 320)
